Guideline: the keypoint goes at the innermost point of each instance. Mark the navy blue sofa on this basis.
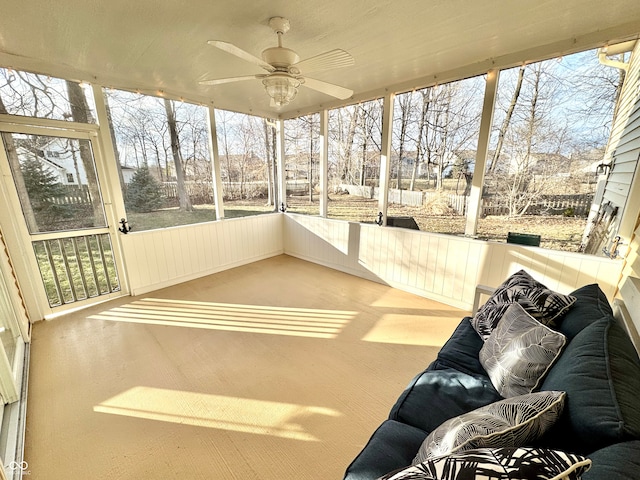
(599, 369)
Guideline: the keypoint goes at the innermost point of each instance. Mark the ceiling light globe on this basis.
(281, 88)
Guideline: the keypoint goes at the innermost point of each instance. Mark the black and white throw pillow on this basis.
(508, 463)
(519, 352)
(541, 303)
(515, 421)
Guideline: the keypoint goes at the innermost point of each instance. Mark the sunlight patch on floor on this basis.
(260, 417)
(302, 322)
(431, 331)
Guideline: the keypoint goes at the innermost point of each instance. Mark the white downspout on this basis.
(605, 52)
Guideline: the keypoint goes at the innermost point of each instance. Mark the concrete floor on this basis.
(280, 369)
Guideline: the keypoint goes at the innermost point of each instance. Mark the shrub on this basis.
(144, 193)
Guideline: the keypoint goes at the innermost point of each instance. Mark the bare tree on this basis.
(225, 135)
(243, 143)
(369, 138)
(449, 124)
(507, 120)
(343, 123)
(301, 149)
(269, 162)
(116, 151)
(312, 124)
(532, 133)
(404, 104)
(183, 196)
(80, 113)
(423, 127)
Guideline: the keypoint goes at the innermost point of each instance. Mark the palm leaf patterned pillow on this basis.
(519, 352)
(509, 463)
(538, 301)
(511, 422)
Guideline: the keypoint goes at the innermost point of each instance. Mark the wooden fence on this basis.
(71, 195)
(199, 192)
(578, 205)
(202, 192)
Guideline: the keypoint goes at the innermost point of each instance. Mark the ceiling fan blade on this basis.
(325, 61)
(238, 52)
(220, 81)
(328, 88)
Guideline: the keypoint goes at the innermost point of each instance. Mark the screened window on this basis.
(355, 134)
(41, 96)
(551, 125)
(435, 134)
(302, 137)
(162, 153)
(50, 203)
(246, 145)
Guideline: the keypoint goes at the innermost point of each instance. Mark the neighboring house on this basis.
(127, 173)
(58, 157)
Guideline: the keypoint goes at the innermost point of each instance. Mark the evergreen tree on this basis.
(144, 192)
(45, 192)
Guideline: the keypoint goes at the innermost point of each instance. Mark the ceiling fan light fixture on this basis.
(281, 88)
(286, 72)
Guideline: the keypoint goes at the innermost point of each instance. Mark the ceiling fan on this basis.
(285, 69)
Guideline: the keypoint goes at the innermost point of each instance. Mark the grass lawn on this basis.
(557, 232)
(172, 217)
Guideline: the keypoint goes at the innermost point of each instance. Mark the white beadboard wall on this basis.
(442, 267)
(160, 258)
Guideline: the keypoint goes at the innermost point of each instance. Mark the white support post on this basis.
(112, 196)
(215, 170)
(281, 173)
(324, 162)
(385, 155)
(112, 193)
(475, 197)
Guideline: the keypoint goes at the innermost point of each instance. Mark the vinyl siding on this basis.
(623, 151)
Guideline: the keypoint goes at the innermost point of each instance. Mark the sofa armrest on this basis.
(481, 290)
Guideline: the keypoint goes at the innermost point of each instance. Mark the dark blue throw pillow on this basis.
(620, 461)
(591, 305)
(461, 350)
(600, 371)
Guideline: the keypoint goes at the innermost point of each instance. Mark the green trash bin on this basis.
(523, 239)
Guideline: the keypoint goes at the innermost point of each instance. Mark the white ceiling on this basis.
(151, 45)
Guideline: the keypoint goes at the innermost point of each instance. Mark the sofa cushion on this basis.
(591, 305)
(435, 396)
(512, 422)
(541, 303)
(519, 352)
(620, 461)
(600, 372)
(461, 350)
(393, 445)
(508, 463)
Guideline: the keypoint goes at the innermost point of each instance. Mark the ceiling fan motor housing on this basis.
(280, 57)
